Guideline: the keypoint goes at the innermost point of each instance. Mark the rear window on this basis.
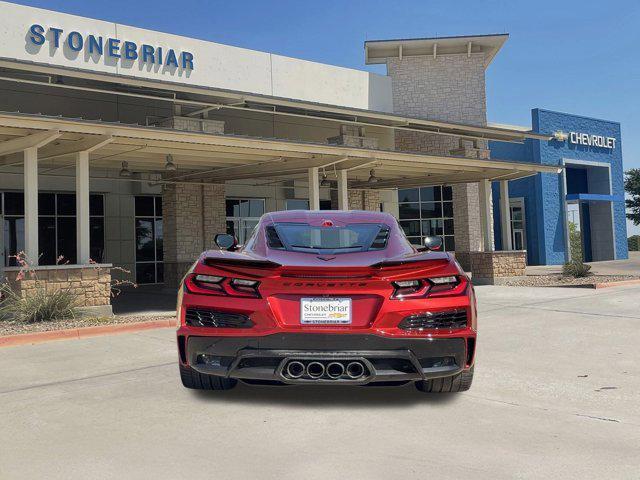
(356, 237)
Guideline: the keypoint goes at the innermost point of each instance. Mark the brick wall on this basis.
(491, 267)
(364, 200)
(192, 215)
(448, 88)
(91, 285)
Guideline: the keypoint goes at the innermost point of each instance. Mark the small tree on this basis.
(632, 187)
(575, 242)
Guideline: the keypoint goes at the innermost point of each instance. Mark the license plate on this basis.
(325, 311)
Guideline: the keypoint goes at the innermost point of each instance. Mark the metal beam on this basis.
(35, 140)
(88, 144)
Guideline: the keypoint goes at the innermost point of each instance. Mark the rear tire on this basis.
(457, 383)
(198, 381)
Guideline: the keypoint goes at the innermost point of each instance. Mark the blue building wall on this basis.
(543, 193)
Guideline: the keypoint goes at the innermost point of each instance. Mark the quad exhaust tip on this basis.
(296, 369)
(315, 369)
(355, 370)
(335, 370)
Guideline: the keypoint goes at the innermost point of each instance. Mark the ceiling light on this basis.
(124, 171)
(324, 182)
(372, 177)
(170, 166)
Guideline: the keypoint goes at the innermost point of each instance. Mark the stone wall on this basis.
(364, 200)
(91, 285)
(494, 267)
(449, 88)
(192, 215)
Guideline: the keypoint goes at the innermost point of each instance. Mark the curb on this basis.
(615, 284)
(83, 332)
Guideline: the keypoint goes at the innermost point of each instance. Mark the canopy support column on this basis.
(314, 189)
(343, 192)
(82, 208)
(505, 215)
(31, 248)
(485, 215)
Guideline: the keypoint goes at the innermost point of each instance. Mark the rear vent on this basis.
(199, 317)
(435, 320)
(380, 242)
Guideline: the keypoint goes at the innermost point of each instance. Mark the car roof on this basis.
(339, 216)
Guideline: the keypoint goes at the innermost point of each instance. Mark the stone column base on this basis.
(174, 272)
(494, 268)
(91, 284)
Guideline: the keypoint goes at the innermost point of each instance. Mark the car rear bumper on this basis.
(385, 359)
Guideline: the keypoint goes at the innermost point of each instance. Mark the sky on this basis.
(575, 56)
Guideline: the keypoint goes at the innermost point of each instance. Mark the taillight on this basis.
(419, 288)
(215, 285)
(245, 286)
(409, 289)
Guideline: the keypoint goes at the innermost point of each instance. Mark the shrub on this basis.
(38, 306)
(634, 243)
(576, 269)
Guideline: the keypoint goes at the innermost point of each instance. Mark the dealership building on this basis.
(133, 148)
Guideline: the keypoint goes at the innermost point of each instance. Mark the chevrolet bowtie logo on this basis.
(326, 259)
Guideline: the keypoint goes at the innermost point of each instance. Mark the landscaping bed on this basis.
(557, 280)
(10, 327)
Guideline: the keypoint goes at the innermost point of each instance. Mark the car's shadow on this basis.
(325, 396)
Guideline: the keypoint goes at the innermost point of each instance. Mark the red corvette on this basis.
(327, 297)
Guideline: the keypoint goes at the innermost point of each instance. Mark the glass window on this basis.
(13, 203)
(145, 206)
(409, 210)
(426, 211)
(13, 239)
(353, 237)
(145, 249)
(96, 239)
(96, 205)
(430, 194)
(296, 204)
(149, 239)
(46, 204)
(242, 216)
(158, 206)
(56, 227)
(66, 204)
(410, 227)
(408, 195)
(47, 240)
(66, 237)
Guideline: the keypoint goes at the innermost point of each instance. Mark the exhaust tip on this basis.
(315, 369)
(295, 369)
(355, 370)
(335, 370)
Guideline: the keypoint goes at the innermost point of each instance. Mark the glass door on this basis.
(518, 231)
(149, 235)
(243, 215)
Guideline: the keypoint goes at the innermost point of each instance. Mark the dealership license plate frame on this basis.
(317, 318)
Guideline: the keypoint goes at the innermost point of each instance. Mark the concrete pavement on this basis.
(631, 266)
(555, 396)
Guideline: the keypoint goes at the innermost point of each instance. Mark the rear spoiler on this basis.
(426, 258)
(240, 262)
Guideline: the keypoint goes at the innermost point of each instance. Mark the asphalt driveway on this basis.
(556, 395)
